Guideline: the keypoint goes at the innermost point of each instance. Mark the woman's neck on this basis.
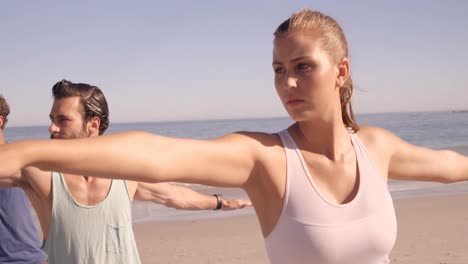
(329, 138)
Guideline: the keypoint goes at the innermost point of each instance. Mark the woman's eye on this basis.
(303, 66)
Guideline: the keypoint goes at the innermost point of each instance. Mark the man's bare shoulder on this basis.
(36, 179)
(34, 172)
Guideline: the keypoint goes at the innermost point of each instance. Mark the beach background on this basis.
(432, 217)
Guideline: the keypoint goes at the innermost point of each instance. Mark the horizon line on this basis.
(243, 118)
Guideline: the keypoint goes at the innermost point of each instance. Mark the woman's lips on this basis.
(294, 102)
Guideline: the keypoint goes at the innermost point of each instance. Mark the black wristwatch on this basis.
(219, 201)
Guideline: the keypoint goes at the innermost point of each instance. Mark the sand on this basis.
(430, 230)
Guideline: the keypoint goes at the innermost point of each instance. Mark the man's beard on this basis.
(82, 134)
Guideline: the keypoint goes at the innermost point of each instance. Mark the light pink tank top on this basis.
(316, 231)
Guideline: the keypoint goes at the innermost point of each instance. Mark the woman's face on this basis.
(305, 75)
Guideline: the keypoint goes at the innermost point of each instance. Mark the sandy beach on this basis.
(430, 230)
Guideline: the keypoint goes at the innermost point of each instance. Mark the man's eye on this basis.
(279, 70)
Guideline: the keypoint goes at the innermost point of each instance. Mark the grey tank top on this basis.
(313, 230)
(95, 234)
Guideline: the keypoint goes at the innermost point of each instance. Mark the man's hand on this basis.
(234, 204)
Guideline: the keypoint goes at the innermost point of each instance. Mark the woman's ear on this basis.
(343, 71)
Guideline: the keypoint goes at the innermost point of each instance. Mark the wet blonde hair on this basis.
(334, 42)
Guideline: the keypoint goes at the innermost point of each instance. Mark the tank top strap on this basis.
(361, 151)
(357, 143)
(125, 186)
(59, 189)
(289, 148)
(286, 139)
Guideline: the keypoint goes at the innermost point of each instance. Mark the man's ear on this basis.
(2, 122)
(93, 125)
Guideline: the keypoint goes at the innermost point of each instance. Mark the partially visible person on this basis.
(19, 239)
(86, 219)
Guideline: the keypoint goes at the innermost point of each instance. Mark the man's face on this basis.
(66, 119)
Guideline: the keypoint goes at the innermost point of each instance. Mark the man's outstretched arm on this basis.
(180, 197)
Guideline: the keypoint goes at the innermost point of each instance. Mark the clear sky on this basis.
(180, 60)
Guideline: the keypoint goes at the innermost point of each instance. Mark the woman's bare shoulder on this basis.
(255, 138)
(375, 135)
(379, 140)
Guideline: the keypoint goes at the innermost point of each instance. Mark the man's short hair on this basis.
(4, 110)
(92, 100)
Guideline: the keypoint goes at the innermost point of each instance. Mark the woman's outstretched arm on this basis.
(409, 162)
(140, 156)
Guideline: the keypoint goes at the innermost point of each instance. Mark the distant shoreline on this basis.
(242, 118)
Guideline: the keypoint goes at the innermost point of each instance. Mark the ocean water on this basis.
(428, 129)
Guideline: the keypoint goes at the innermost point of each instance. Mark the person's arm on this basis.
(184, 198)
(410, 162)
(141, 156)
(14, 180)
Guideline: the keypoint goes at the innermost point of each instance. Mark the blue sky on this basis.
(180, 60)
